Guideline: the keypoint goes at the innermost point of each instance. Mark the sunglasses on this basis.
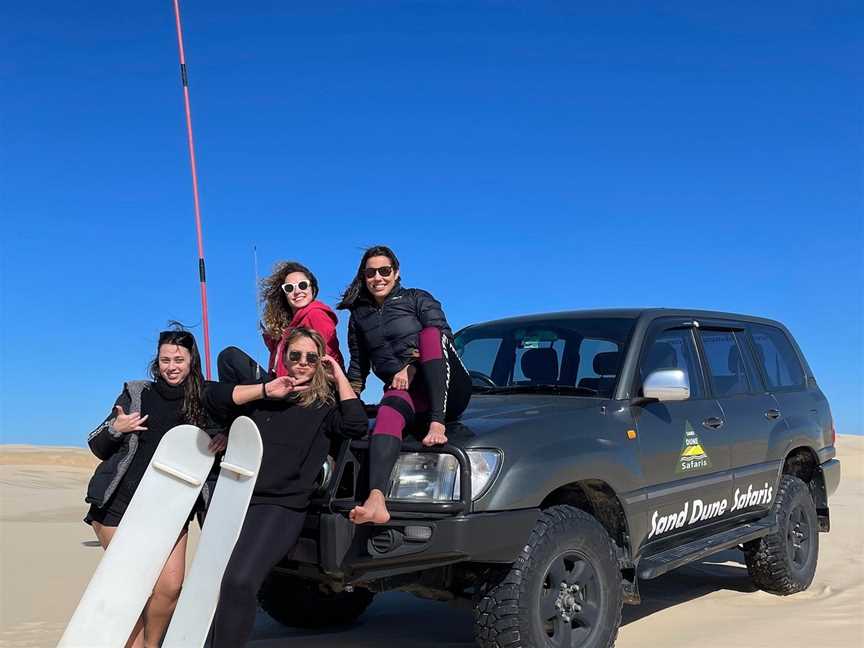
(289, 288)
(311, 357)
(181, 338)
(384, 271)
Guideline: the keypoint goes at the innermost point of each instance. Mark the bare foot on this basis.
(437, 434)
(373, 510)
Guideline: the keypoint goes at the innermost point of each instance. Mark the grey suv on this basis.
(600, 448)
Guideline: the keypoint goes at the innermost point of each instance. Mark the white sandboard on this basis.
(124, 578)
(200, 594)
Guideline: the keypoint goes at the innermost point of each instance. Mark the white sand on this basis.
(47, 556)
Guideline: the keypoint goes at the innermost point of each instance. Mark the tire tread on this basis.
(496, 614)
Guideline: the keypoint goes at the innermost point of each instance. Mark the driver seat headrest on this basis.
(540, 365)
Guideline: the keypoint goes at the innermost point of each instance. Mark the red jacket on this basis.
(317, 316)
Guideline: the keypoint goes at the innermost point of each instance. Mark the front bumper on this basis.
(406, 544)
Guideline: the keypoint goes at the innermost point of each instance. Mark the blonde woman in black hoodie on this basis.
(297, 415)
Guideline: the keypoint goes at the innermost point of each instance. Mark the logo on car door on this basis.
(693, 455)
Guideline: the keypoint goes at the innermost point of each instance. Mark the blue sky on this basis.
(520, 157)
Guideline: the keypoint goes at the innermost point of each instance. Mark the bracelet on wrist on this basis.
(264, 391)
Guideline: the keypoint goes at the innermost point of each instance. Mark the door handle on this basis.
(773, 414)
(713, 423)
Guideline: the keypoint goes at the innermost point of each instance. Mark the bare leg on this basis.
(160, 607)
(136, 639)
(374, 510)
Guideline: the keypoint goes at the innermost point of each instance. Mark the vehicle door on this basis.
(750, 416)
(800, 402)
(684, 453)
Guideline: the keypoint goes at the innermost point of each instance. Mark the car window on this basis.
(725, 363)
(598, 365)
(673, 349)
(777, 357)
(479, 354)
(532, 347)
(558, 352)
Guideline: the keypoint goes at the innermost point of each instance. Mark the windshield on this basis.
(576, 356)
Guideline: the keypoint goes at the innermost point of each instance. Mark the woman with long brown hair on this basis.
(403, 336)
(126, 441)
(289, 296)
(297, 414)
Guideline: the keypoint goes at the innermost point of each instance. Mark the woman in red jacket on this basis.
(289, 297)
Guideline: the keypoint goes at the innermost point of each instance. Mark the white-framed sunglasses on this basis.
(288, 288)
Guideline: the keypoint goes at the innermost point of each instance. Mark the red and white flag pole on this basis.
(201, 271)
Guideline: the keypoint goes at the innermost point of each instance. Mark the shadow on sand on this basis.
(400, 620)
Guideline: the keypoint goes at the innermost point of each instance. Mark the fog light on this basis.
(418, 533)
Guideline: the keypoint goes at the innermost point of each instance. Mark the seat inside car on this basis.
(736, 382)
(605, 365)
(540, 366)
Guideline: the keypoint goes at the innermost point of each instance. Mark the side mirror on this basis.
(667, 385)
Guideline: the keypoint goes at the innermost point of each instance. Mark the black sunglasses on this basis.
(289, 288)
(384, 271)
(183, 338)
(311, 357)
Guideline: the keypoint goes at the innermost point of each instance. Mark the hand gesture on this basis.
(403, 378)
(332, 368)
(218, 443)
(283, 386)
(126, 423)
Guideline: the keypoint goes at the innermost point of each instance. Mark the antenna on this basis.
(202, 275)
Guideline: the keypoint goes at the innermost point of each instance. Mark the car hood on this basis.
(490, 417)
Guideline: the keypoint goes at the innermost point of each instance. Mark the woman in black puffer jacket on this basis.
(402, 335)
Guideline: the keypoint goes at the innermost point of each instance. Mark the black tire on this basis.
(569, 546)
(301, 603)
(784, 562)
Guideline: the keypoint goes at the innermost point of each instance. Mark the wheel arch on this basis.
(598, 499)
(803, 462)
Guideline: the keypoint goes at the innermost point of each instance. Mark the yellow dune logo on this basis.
(693, 455)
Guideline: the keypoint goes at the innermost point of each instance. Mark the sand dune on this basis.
(47, 556)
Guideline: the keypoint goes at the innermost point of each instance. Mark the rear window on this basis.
(777, 357)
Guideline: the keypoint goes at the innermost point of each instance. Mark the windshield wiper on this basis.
(483, 389)
(543, 389)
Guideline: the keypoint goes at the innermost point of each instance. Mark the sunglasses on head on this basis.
(289, 288)
(384, 271)
(311, 357)
(183, 338)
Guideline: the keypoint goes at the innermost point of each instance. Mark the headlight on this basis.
(434, 477)
(484, 465)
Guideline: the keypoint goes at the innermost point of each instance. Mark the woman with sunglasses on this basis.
(403, 335)
(289, 297)
(297, 414)
(127, 440)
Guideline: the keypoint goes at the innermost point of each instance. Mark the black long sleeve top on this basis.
(296, 440)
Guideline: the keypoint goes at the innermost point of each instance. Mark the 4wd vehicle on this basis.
(600, 448)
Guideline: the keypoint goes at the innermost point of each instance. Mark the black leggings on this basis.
(237, 367)
(269, 533)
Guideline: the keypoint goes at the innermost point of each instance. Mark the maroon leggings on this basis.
(441, 389)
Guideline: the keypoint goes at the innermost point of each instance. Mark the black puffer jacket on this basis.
(385, 338)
